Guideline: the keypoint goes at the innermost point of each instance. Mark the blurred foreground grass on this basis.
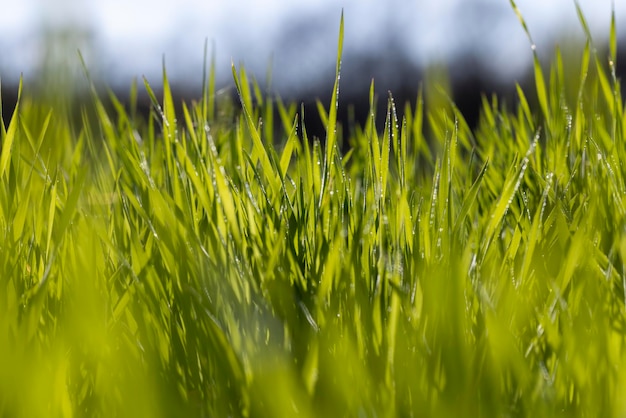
(187, 266)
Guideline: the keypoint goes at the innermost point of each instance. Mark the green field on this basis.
(213, 260)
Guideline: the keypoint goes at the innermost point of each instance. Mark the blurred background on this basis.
(479, 43)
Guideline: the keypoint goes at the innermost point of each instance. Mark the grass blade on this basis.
(331, 127)
(9, 137)
(259, 149)
(540, 84)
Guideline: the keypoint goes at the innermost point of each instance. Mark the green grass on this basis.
(195, 264)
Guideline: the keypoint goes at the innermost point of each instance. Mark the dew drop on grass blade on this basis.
(539, 79)
(307, 166)
(331, 127)
(511, 185)
(259, 151)
(385, 152)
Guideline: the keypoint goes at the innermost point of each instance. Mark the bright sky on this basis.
(129, 38)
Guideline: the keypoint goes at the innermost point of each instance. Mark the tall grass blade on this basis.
(470, 197)
(539, 79)
(583, 21)
(331, 127)
(511, 186)
(9, 137)
(259, 149)
(613, 38)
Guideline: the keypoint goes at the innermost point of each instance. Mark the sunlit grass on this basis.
(187, 266)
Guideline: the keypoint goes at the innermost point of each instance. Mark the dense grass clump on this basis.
(189, 265)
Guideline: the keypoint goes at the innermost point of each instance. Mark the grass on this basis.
(195, 264)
